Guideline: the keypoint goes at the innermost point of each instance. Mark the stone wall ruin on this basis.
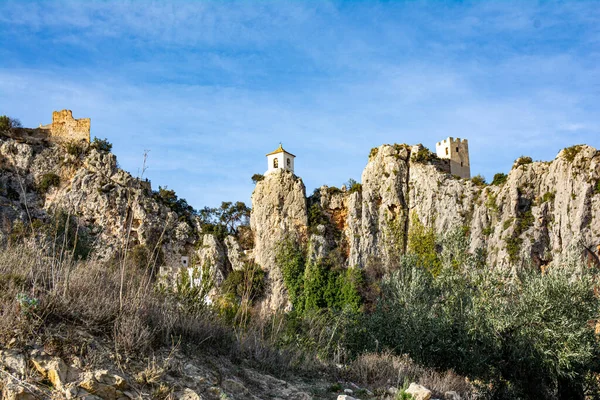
(65, 128)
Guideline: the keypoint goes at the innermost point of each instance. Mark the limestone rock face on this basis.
(278, 212)
(118, 210)
(543, 209)
(384, 214)
(213, 255)
(235, 253)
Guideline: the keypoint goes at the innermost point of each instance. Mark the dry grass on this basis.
(86, 295)
(382, 370)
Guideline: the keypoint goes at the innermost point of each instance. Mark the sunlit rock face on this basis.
(278, 212)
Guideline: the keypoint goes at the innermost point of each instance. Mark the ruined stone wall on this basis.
(65, 128)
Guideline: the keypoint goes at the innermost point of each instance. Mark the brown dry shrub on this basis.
(442, 382)
(380, 370)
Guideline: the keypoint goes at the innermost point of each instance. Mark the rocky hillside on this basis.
(533, 215)
(114, 210)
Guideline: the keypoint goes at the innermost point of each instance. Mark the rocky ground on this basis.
(37, 372)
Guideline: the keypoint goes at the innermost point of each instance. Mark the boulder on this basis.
(52, 368)
(418, 392)
(14, 361)
(104, 384)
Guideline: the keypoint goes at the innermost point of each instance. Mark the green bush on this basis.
(422, 242)
(528, 335)
(47, 181)
(499, 179)
(571, 152)
(424, 156)
(478, 180)
(74, 148)
(101, 144)
(353, 186)
(373, 153)
(7, 124)
(319, 284)
(523, 160)
(548, 196)
(248, 283)
(257, 178)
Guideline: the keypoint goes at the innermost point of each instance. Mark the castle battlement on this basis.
(65, 128)
(457, 151)
(452, 140)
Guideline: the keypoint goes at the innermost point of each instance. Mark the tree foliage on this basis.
(499, 179)
(226, 219)
(8, 124)
(318, 284)
(527, 334)
(101, 144)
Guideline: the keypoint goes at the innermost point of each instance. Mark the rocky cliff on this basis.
(532, 216)
(538, 212)
(278, 213)
(113, 209)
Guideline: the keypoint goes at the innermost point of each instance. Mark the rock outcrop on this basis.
(542, 210)
(118, 211)
(538, 213)
(278, 213)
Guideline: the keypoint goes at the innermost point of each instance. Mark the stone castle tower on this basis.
(280, 159)
(65, 128)
(457, 151)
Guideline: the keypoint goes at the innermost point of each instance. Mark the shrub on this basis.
(290, 259)
(571, 152)
(353, 186)
(140, 256)
(257, 178)
(597, 188)
(75, 148)
(247, 284)
(523, 160)
(499, 179)
(422, 243)
(424, 156)
(478, 180)
(101, 144)
(7, 124)
(548, 196)
(47, 181)
(373, 153)
(318, 284)
(527, 334)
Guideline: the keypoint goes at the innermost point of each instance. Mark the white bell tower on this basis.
(280, 159)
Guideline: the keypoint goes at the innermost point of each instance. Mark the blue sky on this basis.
(211, 87)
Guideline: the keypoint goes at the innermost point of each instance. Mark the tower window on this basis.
(289, 163)
(457, 149)
(276, 163)
(461, 163)
(446, 151)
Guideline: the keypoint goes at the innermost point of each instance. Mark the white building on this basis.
(280, 159)
(457, 151)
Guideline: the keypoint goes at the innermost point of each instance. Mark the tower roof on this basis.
(280, 150)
